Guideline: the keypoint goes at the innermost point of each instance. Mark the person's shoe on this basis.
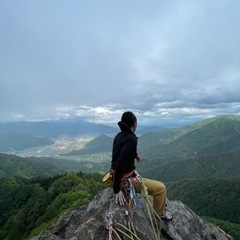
(167, 216)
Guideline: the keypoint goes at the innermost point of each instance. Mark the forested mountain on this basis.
(218, 198)
(196, 167)
(28, 206)
(155, 139)
(19, 141)
(213, 136)
(11, 165)
(100, 144)
(217, 136)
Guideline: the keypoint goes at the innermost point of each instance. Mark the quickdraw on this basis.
(110, 227)
(129, 184)
(134, 201)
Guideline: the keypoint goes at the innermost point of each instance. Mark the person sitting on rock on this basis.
(124, 154)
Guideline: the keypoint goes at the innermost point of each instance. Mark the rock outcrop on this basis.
(90, 223)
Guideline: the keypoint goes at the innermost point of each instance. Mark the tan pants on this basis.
(158, 191)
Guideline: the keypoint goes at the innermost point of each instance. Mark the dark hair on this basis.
(129, 119)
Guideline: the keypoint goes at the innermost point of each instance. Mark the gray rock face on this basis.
(90, 223)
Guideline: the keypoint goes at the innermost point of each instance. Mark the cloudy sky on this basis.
(171, 62)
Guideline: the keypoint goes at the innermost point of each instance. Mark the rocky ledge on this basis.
(91, 223)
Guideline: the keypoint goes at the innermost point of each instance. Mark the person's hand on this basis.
(120, 198)
(138, 158)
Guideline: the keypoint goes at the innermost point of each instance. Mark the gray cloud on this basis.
(175, 60)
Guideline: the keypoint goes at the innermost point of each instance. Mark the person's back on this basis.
(124, 150)
(124, 153)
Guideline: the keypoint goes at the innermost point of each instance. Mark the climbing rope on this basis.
(119, 228)
(134, 203)
(153, 216)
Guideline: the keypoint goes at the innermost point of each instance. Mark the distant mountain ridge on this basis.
(212, 136)
(20, 141)
(221, 131)
(213, 143)
(56, 128)
(217, 135)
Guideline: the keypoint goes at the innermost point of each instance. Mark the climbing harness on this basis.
(128, 186)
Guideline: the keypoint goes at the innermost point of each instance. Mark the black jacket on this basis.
(124, 153)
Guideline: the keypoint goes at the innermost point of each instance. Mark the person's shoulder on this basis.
(125, 137)
(132, 138)
(119, 135)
